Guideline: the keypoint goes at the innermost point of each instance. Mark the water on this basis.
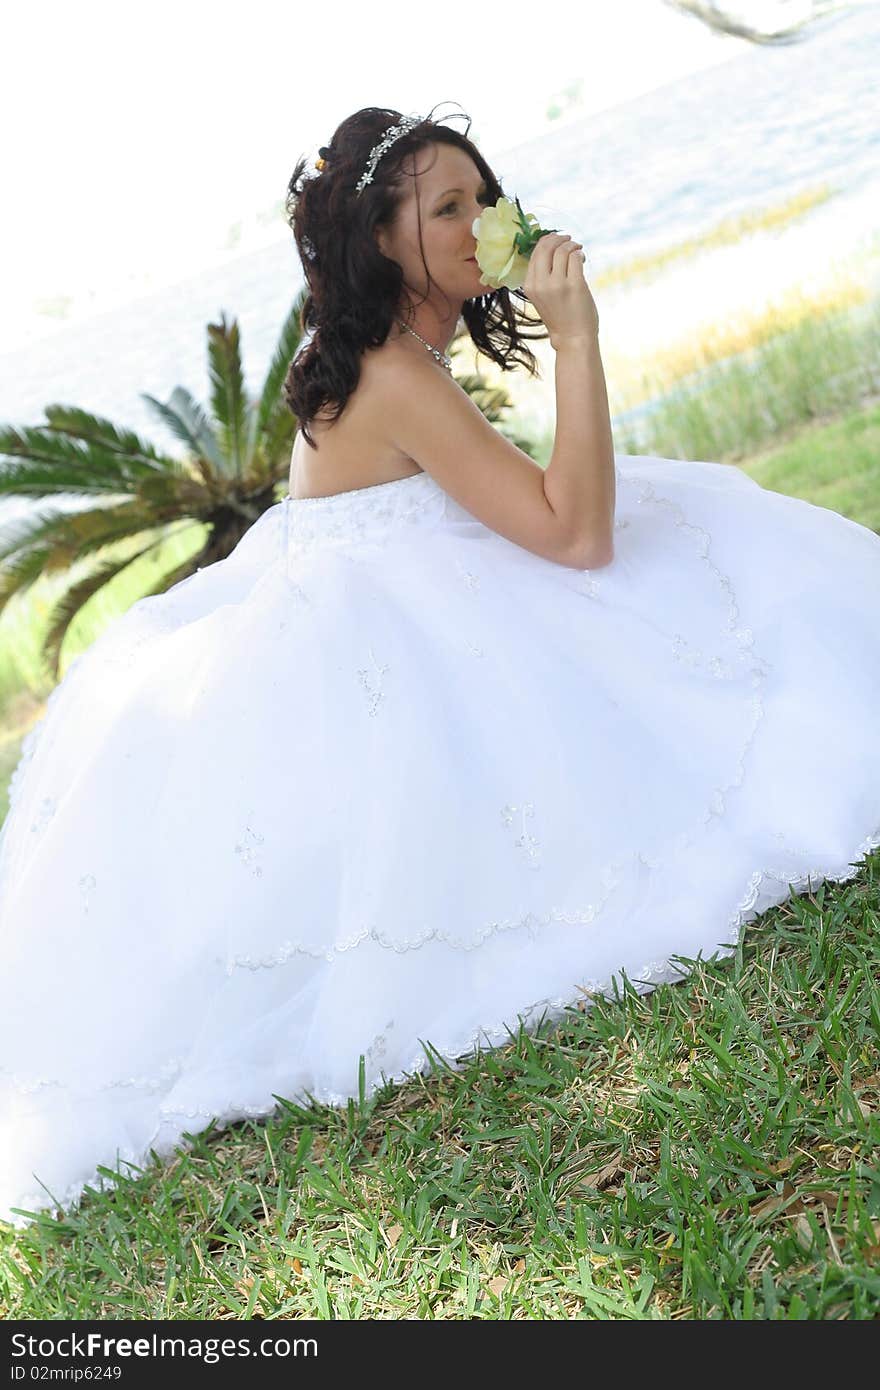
(668, 164)
(673, 162)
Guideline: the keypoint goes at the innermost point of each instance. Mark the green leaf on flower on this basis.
(526, 240)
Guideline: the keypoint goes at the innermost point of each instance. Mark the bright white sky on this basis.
(136, 136)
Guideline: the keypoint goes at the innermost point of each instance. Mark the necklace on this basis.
(435, 352)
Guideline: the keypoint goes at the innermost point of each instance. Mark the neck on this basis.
(436, 326)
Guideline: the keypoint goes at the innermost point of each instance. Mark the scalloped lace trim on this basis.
(654, 973)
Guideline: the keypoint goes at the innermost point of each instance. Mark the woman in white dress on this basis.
(447, 743)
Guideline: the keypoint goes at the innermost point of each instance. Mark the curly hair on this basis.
(354, 291)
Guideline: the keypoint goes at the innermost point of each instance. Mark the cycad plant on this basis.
(236, 457)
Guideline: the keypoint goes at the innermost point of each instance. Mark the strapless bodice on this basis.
(370, 514)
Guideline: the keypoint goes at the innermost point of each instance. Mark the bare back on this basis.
(355, 451)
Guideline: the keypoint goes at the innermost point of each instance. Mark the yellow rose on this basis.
(501, 261)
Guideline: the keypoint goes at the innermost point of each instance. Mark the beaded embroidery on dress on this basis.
(382, 777)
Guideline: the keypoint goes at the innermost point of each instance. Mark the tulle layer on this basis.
(382, 778)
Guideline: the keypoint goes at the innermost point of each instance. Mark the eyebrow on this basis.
(460, 190)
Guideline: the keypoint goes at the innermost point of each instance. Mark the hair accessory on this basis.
(393, 133)
(323, 156)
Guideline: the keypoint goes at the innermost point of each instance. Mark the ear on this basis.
(381, 238)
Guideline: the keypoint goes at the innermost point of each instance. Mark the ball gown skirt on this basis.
(383, 778)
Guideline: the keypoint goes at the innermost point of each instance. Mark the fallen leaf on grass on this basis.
(803, 1201)
(769, 1204)
(597, 1177)
(826, 1197)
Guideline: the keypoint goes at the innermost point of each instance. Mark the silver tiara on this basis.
(393, 133)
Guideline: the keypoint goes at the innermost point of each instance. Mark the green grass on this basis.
(25, 619)
(709, 1150)
(823, 367)
(835, 465)
(832, 463)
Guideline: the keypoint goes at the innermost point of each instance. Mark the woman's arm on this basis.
(435, 423)
(579, 480)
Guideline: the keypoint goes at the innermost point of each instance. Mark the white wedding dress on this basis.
(382, 778)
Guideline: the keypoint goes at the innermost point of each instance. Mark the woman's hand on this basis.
(556, 285)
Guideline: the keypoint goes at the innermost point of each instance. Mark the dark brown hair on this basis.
(354, 291)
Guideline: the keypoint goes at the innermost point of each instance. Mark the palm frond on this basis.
(22, 570)
(94, 531)
(134, 496)
(189, 423)
(75, 534)
(83, 424)
(74, 598)
(36, 545)
(21, 532)
(71, 602)
(53, 462)
(277, 439)
(285, 349)
(228, 400)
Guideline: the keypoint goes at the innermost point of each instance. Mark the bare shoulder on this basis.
(380, 365)
(433, 420)
(380, 374)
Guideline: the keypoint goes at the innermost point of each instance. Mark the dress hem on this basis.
(453, 1054)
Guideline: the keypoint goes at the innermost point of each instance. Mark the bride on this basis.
(446, 743)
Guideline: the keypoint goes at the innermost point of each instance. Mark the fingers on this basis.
(553, 260)
(564, 256)
(559, 252)
(550, 242)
